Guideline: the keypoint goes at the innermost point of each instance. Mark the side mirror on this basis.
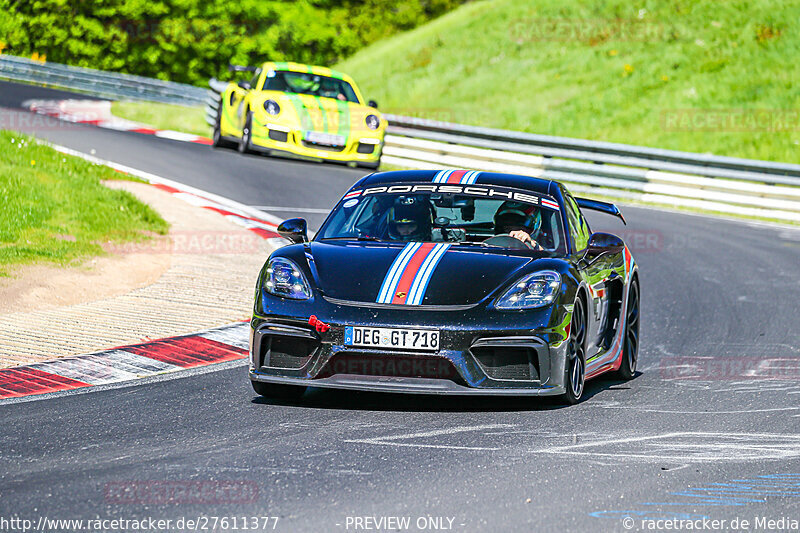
(373, 103)
(604, 243)
(294, 229)
(244, 85)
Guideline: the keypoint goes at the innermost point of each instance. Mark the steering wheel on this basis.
(505, 240)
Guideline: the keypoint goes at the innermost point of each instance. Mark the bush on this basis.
(192, 40)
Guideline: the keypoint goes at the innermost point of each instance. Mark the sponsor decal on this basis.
(503, 193)
(350, 203)
(351, 194)
(410, 273)
(552, 204)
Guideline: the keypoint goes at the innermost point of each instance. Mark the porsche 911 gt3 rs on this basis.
(447, 282)
(301, 111)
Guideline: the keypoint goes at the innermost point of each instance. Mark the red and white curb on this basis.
(127, 363)
(262, 224)
(156, 357)
(98, 113)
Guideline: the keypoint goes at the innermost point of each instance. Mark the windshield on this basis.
(304, 83)
(444, 217)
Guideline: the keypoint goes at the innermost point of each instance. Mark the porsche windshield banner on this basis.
(468, 190)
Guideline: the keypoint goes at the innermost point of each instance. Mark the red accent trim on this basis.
(202, 140)
(318, 324)
(608, 367)
(188, 352)
(456, 176)
(23, 381)
(407, 278)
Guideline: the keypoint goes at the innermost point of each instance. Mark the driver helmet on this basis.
(410, 219)
(511, 216)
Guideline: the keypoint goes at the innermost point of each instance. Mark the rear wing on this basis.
(603, 207)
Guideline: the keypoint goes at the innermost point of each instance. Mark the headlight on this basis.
(284, 278)
(272, 107)
(534, 290)
(373, 122)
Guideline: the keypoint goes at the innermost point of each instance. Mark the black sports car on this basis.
(448, 282)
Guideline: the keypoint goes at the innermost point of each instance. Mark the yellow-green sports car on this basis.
(300, 111)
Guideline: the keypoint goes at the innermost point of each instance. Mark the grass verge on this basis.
(164, 116)
(699, 76)
(55, 208)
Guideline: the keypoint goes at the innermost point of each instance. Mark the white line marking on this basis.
(390, 439)
(298, 209)
(718, 447)
(233, 205)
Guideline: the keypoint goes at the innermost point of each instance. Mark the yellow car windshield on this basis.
(313, 84)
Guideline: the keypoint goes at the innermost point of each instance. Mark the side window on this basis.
(578, 228)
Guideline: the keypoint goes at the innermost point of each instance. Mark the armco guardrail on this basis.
(100, 83)
(722, 184)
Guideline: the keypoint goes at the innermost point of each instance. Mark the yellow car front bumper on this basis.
(364, 149)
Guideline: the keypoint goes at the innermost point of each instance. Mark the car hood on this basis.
(457, 275)
(325, 115)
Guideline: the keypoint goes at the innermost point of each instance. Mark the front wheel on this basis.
(575, 366)
(277, 391)
(630, 341)
(247, 132)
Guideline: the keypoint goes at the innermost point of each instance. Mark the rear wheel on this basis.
(630, 346)
(247, 133)
(216, 139)
(575, 367)
(277, 391)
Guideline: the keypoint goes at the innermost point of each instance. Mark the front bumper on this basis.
(481, 352)
(277, 139)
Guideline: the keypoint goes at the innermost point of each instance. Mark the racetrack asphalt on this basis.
(718, 297)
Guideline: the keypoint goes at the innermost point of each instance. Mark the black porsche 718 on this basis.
(448, 282)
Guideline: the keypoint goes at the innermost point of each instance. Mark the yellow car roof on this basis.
(309, 69)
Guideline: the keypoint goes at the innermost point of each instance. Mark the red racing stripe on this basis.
(188, 352)
(456, 176)
(407, 278)
(16, 382)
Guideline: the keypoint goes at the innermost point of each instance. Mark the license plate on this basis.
(396, 338)
(327, 139)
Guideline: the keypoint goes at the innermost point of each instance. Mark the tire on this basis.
(277, 391)
(373, 166)
(216, 139)
(575, 366)
(630, 342)
(247, 131)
